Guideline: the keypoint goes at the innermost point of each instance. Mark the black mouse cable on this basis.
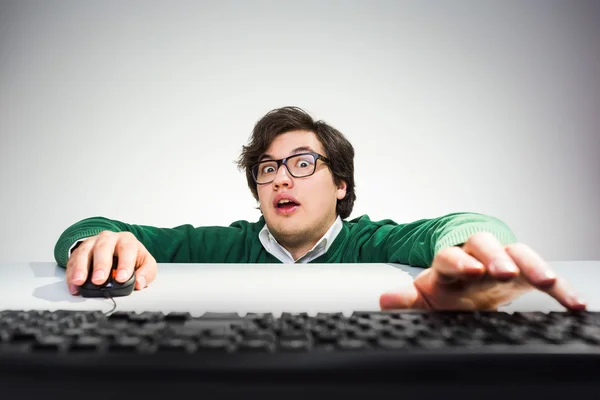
(108, 296)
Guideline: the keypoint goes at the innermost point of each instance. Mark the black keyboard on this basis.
(419, 353)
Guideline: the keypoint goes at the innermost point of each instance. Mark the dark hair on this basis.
(338, 149)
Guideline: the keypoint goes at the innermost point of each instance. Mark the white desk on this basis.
(242, 288)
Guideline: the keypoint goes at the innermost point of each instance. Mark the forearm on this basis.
(457, 228)
(417, 243)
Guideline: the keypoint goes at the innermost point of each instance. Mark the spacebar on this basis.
(212, 320)
(217, 315)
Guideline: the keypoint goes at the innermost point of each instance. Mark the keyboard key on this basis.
(299, 344)
(351, 344)
(590, 334)
(256, 345)
(215, 344)
(88, 343)
(25, 335)
(126, 344)
(50, 343)
(176, 345)
(392, 344)
(177, 316)
(227, 316)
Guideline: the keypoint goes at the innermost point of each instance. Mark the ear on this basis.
(341, 190)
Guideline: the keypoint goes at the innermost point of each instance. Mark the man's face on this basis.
(316, 195)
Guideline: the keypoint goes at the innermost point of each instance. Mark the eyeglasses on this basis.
(298, 165)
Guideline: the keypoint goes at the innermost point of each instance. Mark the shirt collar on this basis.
(272, 246)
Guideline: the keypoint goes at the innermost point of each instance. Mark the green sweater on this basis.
(360, 240)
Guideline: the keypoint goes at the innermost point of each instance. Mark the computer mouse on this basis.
(110, 288)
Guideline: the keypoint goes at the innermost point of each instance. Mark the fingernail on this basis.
(73, 289)
(122, 275)
(78, 276)
(549, 275)
(473, 264)
(577, 300)
(98, 275)
(142, 281)
(387, 300)
(505, 266)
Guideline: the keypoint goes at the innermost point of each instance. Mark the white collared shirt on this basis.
(278, 251)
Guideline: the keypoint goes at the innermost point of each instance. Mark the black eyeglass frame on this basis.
(284, 161)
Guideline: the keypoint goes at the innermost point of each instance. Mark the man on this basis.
(301, 172)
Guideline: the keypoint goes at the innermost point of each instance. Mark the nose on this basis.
(283, 178)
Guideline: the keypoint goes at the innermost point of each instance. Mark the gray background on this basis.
(136, 110)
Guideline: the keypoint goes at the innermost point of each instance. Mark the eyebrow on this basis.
(297, 150)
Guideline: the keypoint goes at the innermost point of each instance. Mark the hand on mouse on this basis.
(481, 275)
(100, 250)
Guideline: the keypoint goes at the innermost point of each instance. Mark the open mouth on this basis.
(286, 206)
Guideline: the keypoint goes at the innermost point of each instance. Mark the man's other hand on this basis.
(98, 251)
(481, 275)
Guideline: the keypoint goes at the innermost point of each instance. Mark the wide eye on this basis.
(267, 169)
(305, 162)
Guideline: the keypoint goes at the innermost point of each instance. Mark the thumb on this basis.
(404, 297)
(146, 272)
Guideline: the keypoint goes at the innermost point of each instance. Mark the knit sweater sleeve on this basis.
(418, 242)
(181, 244)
